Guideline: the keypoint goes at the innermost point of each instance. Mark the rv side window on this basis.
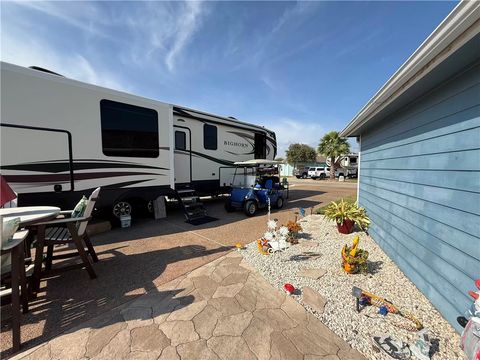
(210, 137)
(128, 130)
(353, 160)
(180, 140)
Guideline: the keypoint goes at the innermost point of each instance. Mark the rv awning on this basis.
(255, 162)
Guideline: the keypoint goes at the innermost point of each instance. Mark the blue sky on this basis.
(299, 68)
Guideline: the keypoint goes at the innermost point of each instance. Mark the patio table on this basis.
(29, 216)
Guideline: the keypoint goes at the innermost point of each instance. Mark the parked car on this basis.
(301, 172)
(318, 173)
(338, 172)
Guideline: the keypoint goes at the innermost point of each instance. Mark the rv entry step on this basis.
(192, 206)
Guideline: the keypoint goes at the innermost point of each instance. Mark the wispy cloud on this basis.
(28, 50)
(83, 16)
(163, 30)
(263, 50)
(189, 24)
(290, 131)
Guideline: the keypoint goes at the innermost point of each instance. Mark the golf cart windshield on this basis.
(250, 173)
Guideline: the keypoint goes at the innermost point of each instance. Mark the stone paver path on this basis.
(222, 310)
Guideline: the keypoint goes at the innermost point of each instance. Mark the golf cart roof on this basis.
(255, 162)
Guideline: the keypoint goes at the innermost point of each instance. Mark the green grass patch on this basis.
(348, 199)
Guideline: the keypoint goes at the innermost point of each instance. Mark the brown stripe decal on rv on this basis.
(66, 177)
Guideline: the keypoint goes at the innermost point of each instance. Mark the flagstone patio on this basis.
(222, 310)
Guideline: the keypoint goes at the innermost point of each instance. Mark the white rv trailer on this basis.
(60, 138)
(348, 165)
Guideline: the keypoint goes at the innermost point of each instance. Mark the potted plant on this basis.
(346, 215)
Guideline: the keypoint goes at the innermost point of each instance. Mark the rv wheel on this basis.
(150, 207)
(122, 208)
(250, 208)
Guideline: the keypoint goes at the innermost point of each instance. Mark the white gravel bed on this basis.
(340, 315)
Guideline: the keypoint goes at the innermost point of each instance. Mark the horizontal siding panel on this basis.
(425, 111)
(456, 199)
(418, 256)
(468, 160)
(464, 120)
(460, 180)
(418, 274)
(456, 219)
(420, 184)
(450, 141)
(428, 248)
(458, 240)
(454, 88)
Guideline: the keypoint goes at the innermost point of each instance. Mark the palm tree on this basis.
(332, 145)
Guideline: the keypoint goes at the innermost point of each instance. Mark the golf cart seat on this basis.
(262, 195)
(269, 184)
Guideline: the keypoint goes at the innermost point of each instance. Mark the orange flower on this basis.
(293, 226)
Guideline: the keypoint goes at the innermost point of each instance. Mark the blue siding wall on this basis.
(420, 184)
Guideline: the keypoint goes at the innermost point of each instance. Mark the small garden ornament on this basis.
(364, 298)
(354, 260)
(293, 229)
(289, 288)
(276, 237)
(474, 310)
(263, 246)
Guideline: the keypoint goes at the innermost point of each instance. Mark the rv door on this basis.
(260, 146)
(183, 156)
(35, 159)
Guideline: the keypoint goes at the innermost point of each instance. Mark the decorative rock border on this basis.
(335, 287)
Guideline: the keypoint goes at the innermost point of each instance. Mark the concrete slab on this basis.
(152, 253)
(198, 329)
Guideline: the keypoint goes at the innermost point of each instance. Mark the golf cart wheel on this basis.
(250, 208)
(279, 203)
(121, 208)
(228, 206)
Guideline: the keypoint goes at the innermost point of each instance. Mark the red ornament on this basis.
(289, 288)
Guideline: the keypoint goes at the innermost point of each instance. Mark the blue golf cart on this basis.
(255, 182)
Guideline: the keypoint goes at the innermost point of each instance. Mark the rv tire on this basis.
(150, 207)
(121, 208)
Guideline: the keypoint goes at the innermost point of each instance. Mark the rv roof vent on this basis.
(38, 68)
(231, 117)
